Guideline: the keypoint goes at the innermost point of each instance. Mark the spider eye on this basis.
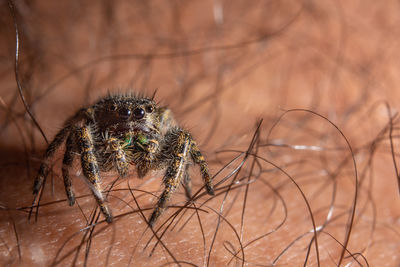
(138, 113)
(112, 107)
(149, 109)
(125, 113)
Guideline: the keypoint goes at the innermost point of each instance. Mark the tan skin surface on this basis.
(220, 67)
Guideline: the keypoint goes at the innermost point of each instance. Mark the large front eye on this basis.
(138, 113)
(124, 113)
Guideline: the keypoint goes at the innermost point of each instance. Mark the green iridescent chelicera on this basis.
(140, 140)
(127, 141)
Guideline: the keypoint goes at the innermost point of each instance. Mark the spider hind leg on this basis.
(58, 140)
(67, 163)
(198, 158)
(187, 183)
(44, 168)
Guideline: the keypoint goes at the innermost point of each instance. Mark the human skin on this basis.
(223, 69)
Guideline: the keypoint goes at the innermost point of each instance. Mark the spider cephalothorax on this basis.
(123, 130)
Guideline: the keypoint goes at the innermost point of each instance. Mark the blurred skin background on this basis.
(293, 103)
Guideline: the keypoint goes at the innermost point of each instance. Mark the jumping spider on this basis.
(123, 130)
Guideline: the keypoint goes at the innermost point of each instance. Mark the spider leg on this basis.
(174, 174)
(51, 149)
(199, 159)
(55, 144)
(67, 163)
(121, 162)
(90, 168)
(187, 182)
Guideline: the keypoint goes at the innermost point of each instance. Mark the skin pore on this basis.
(292, 104)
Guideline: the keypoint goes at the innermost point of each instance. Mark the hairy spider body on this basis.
(123, 130)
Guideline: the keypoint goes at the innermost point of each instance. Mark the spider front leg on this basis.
(90, 168)
(175, 173)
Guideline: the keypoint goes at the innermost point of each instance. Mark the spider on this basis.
(123, 130)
